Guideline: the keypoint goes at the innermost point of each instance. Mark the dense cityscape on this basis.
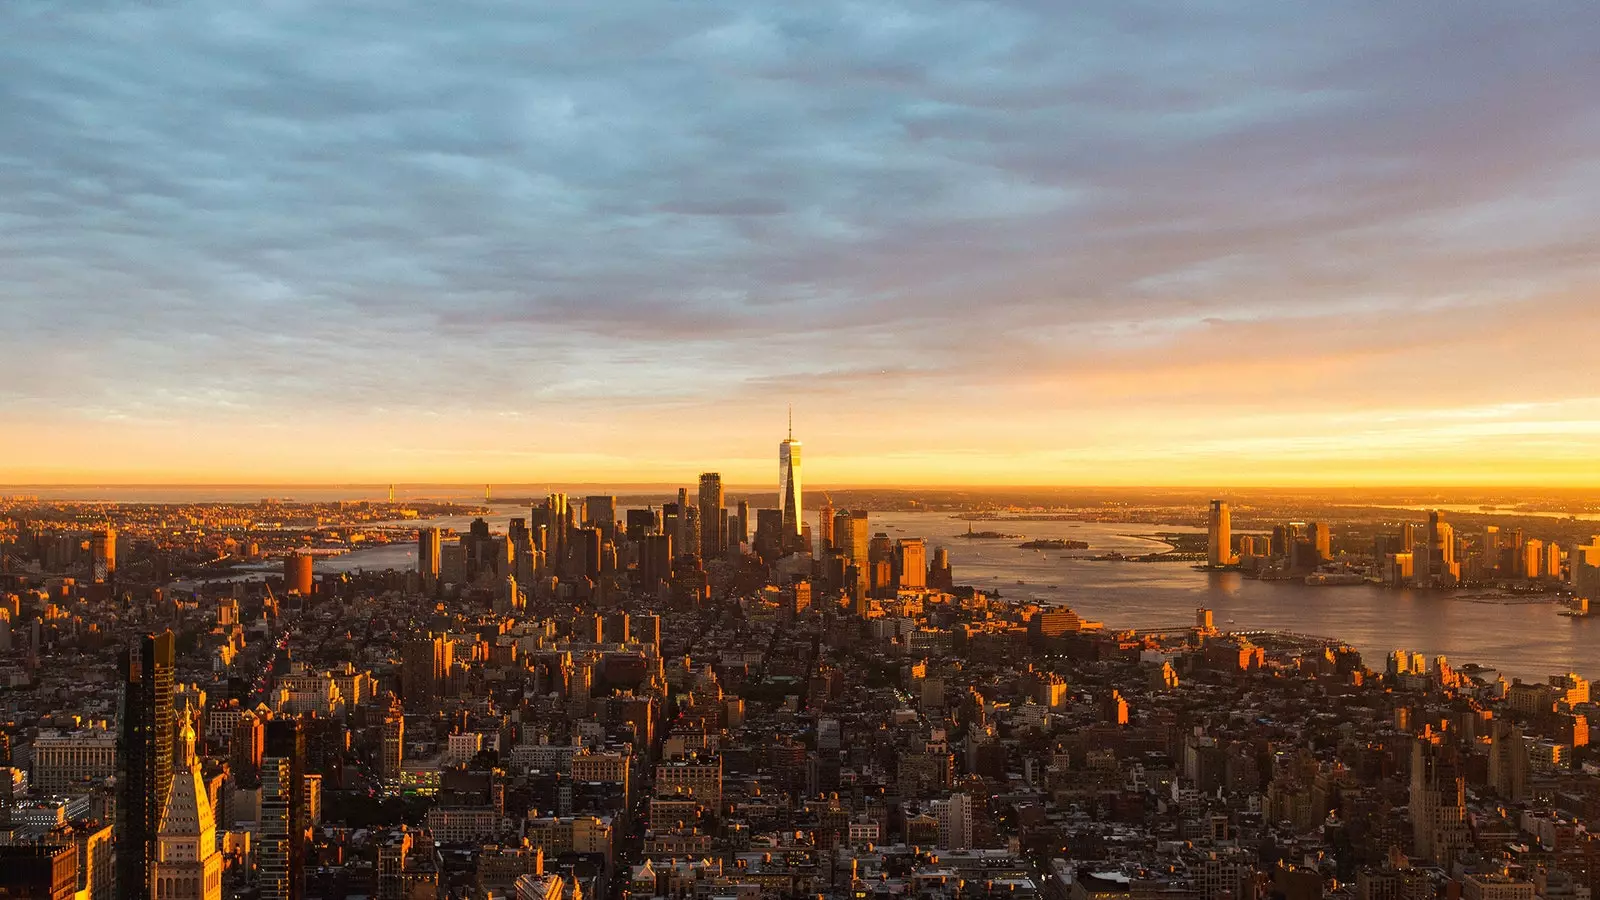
(701, 698)
(403, 495)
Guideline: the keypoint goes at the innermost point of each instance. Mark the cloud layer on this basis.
(987, 241)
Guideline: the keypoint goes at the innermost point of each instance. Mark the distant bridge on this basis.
(1253, 634)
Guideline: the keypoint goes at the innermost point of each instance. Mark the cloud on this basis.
(613, 216)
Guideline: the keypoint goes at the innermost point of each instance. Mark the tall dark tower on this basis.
(713, 537)
(790, 495)
(282, 852)
(146, 777)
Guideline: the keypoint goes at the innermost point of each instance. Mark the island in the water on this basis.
(990, 536)
(1054, 544)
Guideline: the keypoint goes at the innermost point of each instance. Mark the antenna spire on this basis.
(791, 421)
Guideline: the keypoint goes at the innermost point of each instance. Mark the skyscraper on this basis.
(146, 753)
(104, 545)
(187, 865)
(713, 540)
(282, 852)
(392, 758)
(600, 511)
(1219, 546)
(825, 526)
(911, 563)
(428, 555)
(1442, 567)
(742, 531)
(790, 495)
(850, 535)
(1322, 541)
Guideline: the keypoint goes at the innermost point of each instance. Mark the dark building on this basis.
(655, 561)
(146, 751)
(282, 852)
(743, 528)
(642, 522)
(38, 871)
(601, 512)
(586, 553)
(713, 538)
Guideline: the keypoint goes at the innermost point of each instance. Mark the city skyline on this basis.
(973, 244)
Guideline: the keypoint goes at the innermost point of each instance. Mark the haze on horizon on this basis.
(1106, 243)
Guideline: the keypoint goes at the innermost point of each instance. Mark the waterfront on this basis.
(1525, 638)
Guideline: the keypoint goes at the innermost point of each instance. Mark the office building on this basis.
(428, 556)
(713, 539)
(955, 821)
(392, 756)
(791, 498)
(911, 564)
(38, 871)
(825, 526)
(281, 854)
(600, 511)
(1437, 804)
(1442, 565)
(103, 546)
(146, 778)
(188, 865)
(850, 535)
(73, 763)
(1322, 541)
(425, 670)
(743, 528)
(655, 560)
(642, 522)
(1219, 544)
(1533, 559)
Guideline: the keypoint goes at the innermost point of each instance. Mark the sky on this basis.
(1003, 242)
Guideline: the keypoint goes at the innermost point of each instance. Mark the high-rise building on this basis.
(684, 540)
(655, 561)
(692, 529)
(393, 755)
(955, 821)
(911, 564)
(1219, 542)
(428, 556)
(281, 855)
(825, 526)
(1408, 537)
(147, 721)
(791, 498)
(850, 535)
(1532, 559)
(641, 522)
(600, 511)
(1437, 804)
(939, 574)
(1322, 541)
(671, 514)
(425, 670)
(103, 543)
(1442, 566)
(188, 865)
(743, 532)
(297, 574)
(713, 542)
(587, 543)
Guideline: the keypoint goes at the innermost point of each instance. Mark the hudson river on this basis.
(1525, 638)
